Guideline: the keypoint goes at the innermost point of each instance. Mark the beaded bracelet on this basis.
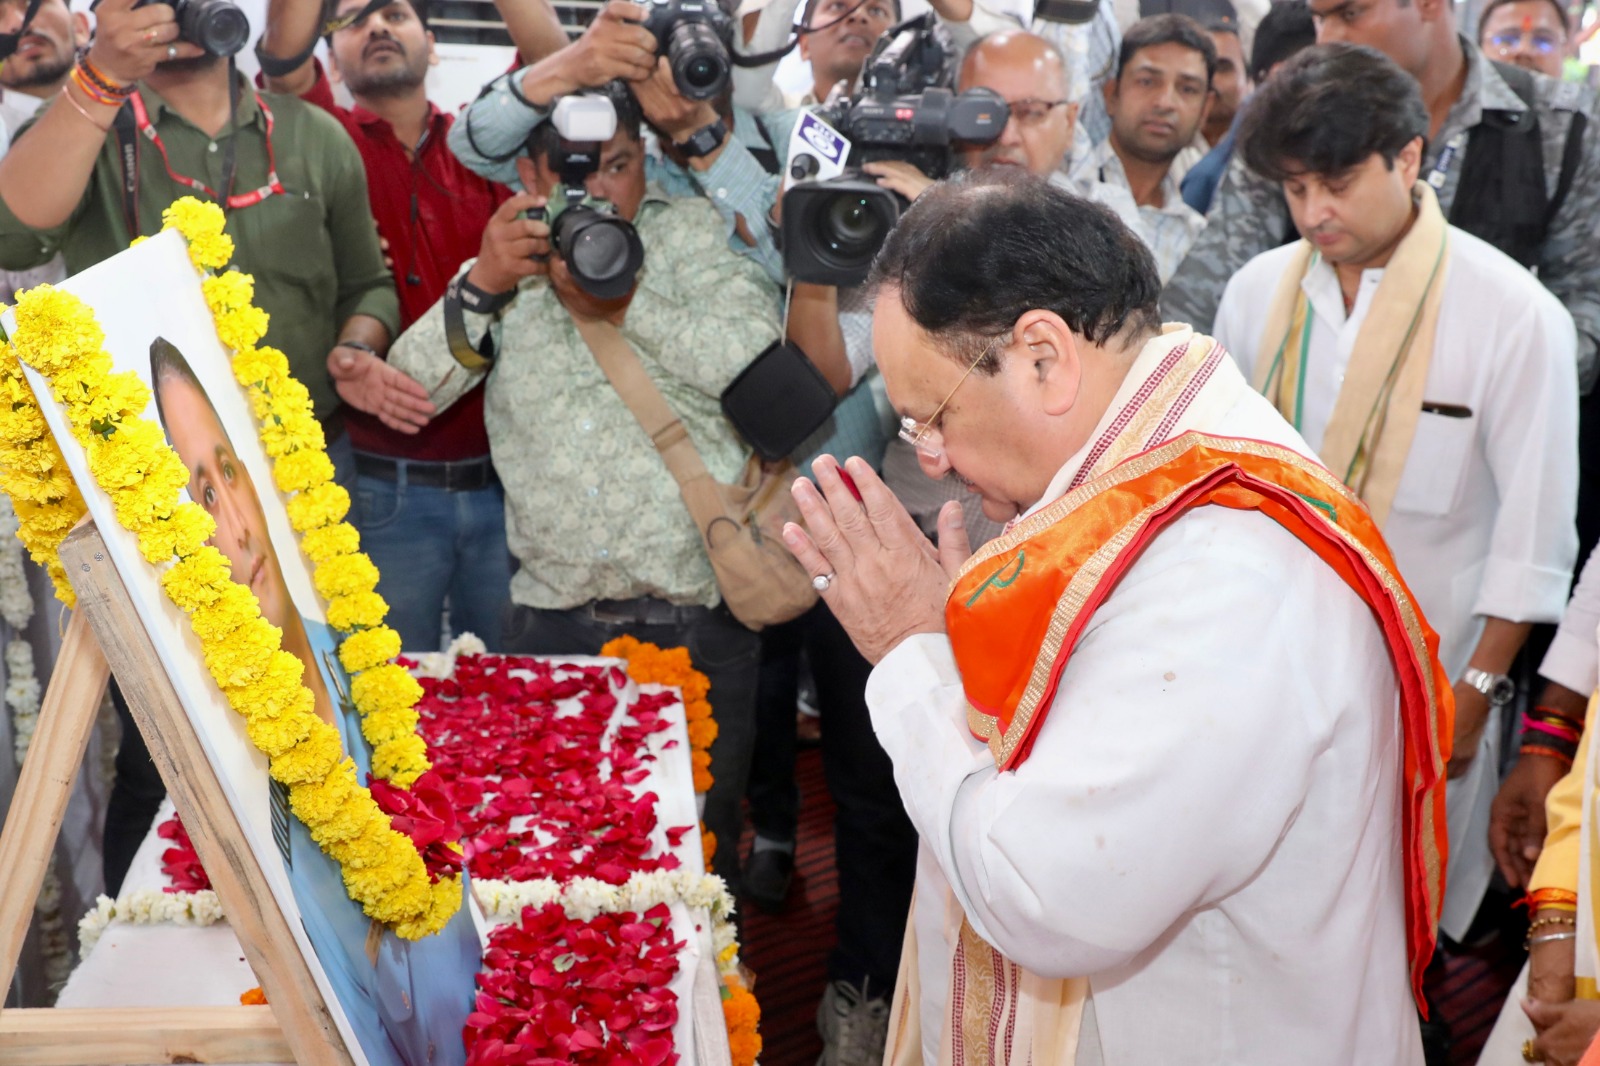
(92, 91)
(103, 82)
(1554, 919)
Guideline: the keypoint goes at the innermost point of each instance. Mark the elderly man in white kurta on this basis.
(1173, 743)
(1434, 373)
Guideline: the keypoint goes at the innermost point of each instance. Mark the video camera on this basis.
(905, 111)
(602, 251)
(694, 36)
(218, 26)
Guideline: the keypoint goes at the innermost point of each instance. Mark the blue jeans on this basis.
(430, 545)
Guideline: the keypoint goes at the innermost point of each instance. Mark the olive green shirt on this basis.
(591, 511)
(313, 249)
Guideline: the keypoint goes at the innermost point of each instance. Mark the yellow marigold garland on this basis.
(130, 459)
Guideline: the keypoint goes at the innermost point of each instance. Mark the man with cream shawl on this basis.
(1432, 374)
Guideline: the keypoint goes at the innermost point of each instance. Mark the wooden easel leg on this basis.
(77, 685)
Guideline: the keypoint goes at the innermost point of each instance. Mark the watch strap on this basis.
(1491, 685)
(705, 140)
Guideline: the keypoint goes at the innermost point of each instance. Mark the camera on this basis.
(694, 36)
(602, 251)
(218, 26)
(905, 111)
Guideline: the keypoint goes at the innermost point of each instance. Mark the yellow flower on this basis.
(252, 366)
(323, 544)
(233, 608)
(312, 759)
(407, 901)
(21, 420)
(302, 470)
(330, 803)
(54, 330)
(381, 726)
(316, 507)
(289, 397)
(73, 385)
(51, 486)
(346, 576)
(702, 734)
(389, 687)
(274, 736)
(201, 224)
(401, 760)
(444, 901)
(241, 328)
(181, 534)
(197, 580)
(242, 658)
(278, 691)
(228, 290)
(117, 397)
(361, 611)
(291, 431)
(132, 452)
(369, 648)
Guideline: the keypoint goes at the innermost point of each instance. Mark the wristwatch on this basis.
(1497, 687)
(705, 140)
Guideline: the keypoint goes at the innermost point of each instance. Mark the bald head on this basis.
(1031, 75)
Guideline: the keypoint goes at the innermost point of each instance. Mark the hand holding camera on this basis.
(667, 109)
(616, 45)
(131, 38)
(513, 247)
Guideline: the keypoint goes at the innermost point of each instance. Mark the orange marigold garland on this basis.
(743, 1015)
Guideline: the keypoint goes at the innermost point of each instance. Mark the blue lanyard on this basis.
(1447, 155)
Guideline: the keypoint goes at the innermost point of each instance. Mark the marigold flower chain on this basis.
(130, 459)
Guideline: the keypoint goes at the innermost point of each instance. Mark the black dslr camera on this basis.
(905, 111)
(602, 251)
(694, 36)
(218, 26)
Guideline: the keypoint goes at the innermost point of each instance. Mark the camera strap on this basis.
(761, 59)
(9, 42)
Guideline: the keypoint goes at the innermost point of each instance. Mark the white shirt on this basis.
(1167, 231)
(1573, 656)
(1483, 520)
(1208, 824)
(17, 108)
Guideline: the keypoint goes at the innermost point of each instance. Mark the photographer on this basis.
(718, 150)
(604, 543)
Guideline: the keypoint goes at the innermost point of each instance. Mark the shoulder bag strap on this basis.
(627, 375)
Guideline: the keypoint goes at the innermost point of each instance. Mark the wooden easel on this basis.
(295, 1026)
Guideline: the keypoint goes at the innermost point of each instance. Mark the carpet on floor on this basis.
(789, 952)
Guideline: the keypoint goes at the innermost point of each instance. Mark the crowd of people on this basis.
(1389, 221)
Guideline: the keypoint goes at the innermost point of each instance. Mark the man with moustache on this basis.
(1157, 103)
(33, 74)
(1533, 34)
(296, 203)
(428, 503)
(1432, 373)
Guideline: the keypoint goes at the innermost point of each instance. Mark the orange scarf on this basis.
(1021, 603)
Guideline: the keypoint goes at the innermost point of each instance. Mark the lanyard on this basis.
(1447, 155)
(230, 200)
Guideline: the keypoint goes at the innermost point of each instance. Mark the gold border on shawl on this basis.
(977, 1012)
(1093, 570)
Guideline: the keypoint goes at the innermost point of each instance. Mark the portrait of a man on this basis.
(406, 1000)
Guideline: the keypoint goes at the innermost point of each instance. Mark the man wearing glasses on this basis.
(1530, 33)
(1173, 743)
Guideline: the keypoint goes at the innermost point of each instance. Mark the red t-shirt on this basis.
(432, 210)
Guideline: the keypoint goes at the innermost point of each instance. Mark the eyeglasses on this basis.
(1543, 41)
(926, 437)
(1031, 112)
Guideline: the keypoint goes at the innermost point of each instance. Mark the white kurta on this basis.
(1483, 522)
(1208, 824)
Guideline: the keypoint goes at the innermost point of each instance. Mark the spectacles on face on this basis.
(1542, 41)
(1032, 112)
(926, 437)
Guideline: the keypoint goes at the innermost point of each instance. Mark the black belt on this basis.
(468, 475)
(642, 610)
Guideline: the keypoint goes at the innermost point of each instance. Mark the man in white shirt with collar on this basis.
(1170, 807)
(1157, 102)
(1432, 373)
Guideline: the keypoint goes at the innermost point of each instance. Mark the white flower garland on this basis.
(149, 906)
(584, 898)
(22, 697)
(441, 664)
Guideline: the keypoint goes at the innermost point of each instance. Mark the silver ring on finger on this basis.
(172, 51)
(821, 582)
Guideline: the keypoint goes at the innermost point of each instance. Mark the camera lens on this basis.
(602, 251)
(851, 228)
(700, 65)
(218, 26)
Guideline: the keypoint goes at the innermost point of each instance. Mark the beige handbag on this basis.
(741, 524)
